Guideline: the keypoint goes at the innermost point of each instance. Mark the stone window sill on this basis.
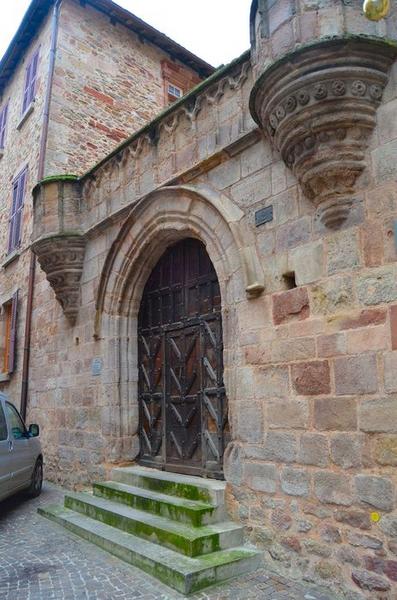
(10, 258)
(4, 377)
(26, 114)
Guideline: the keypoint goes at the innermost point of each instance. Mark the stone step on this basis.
(178, 509)
(186, 575)
(172, 484)
(180, 537)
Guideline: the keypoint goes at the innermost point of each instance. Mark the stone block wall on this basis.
(309, 364)
(280, 27)
(108, 83)
(21, 149)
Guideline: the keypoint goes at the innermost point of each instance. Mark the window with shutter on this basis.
(8, 335)
(12, 347)
(18, 195)
(29, 92)
(3, 123)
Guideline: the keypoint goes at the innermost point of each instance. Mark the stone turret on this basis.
(321, 68)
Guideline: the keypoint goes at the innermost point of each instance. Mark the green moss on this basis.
(171, 488)
(184, 575)
(189, 546)
(192, 511)
(63, 177)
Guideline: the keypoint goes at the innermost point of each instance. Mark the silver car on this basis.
(21, 459)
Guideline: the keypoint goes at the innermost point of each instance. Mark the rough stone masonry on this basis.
(306, 124)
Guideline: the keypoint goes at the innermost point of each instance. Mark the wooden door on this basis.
(183, 408)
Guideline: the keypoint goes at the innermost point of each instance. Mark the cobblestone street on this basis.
(40, 561)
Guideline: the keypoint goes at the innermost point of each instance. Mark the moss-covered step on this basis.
(172, 484)
(181, 537)
(184, 574)
(194, 512)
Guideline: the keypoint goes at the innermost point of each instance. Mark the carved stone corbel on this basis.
(58, 239)
(62, 259)
(318, 106)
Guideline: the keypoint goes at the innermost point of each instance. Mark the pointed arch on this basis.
(164, 216)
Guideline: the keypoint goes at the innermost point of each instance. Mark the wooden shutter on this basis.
(26, 90)
(33, 76)
(30, 82)
(18, 194)
(12, 347)
(5, 325)
(3, 122)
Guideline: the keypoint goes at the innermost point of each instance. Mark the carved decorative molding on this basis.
(149, 136)
(318, 106)
(62, 258)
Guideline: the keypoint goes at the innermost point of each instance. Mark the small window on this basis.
(174, 93)
(15, 222)
(29, 91)
(3, 123)
(3, 425)
(8, 330)
(17, 425)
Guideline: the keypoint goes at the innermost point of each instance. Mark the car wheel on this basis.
(37, 480)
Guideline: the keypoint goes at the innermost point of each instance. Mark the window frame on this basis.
(176, 88)
(30, 84)
(3, 124)
(9, 323)
(16, 212)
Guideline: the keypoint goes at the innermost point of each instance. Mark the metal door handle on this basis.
(10, 445)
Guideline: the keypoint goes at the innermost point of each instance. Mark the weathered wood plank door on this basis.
(182, 402)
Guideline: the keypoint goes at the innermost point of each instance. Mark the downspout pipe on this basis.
(40, 175)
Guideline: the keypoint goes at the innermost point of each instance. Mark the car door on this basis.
(21, 457)
(5, 465)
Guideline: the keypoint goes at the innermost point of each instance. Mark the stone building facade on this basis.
(100, 67)
(283, 165)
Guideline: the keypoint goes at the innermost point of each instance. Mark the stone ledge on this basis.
(26, 114)
(10, 258)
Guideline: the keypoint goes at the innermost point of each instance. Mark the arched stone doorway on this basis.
(183, 424)
(154, 224)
